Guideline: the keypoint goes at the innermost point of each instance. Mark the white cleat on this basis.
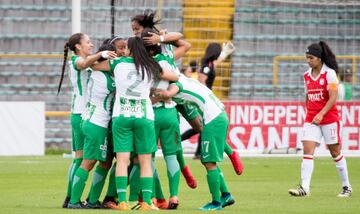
(345, 193)
(299, 192)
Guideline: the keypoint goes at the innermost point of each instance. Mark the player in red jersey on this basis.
(322, 118)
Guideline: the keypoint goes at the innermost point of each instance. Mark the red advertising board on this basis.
(268, 125)
(258, 126)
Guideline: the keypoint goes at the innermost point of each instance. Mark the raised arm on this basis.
(83, 63)
(182, 47)
(162, 38)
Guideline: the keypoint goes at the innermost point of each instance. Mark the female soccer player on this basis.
(214, 55)
(322, 119)
(166, 117)
(147, 20)
(79, 73)
(95, 124)
(213, 138)
(133, 117)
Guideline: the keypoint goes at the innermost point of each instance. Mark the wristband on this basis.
(162, 38)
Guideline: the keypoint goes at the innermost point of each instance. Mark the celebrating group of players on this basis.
(126, 98)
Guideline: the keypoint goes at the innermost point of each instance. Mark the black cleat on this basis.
(66, 202)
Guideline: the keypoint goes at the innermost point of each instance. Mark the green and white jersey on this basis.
(193, 92)
(132, 92)
(166, 63)
(78, 80)
(101, 92)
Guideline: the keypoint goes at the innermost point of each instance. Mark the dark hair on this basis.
(193, 65)
(106, 46)
(113, 39)
(70, 44)
(323, 51)
(328, 57)
(143, 61)
(147, 19)
(212, 52)
(151, 49)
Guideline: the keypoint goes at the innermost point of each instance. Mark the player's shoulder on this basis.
(307, 73)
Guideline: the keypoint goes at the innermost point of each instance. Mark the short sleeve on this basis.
(332, 80)
(331, 77)
(179, 85)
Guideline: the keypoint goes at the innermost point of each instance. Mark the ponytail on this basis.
(70, 44)
(66, 50)
(328, 57)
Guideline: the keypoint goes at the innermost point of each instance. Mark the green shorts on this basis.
(167, 129)
(76, 132)
(188, 111)
(133, 134)
(213, 139)
(96, 146)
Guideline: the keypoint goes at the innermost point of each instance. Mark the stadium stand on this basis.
(260, 31)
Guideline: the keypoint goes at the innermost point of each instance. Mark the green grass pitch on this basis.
(38, 184)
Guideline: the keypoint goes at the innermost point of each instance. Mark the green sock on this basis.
(180, 157)
(97, 184)
(121, 184)
(228, 150)
(146, 184)
(223, 186)
(111, 191)
(73, 167)
(157, 190)
(214, 184)
(134, 183)
(173, 173)
(79, 182)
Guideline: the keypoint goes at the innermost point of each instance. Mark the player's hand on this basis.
(318, 118)
(108, 54)
(151, 40)
(227, 49)
(161, 93)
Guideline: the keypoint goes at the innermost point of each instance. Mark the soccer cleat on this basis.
(173, 203)
(299, 192)
(190, 180)
(78, 205)
(214, 205)
(135, 206)
(66, 202)
(227, 199)
(109, 201)
(97, 205)
(145, 206)
(161, 203)
(236, 162)
(346, 192)
(121, 206)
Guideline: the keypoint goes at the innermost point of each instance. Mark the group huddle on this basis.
(126, 98)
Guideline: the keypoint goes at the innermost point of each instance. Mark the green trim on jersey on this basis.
(114, 62)
(74, 59)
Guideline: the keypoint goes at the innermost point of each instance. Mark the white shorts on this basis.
(330, 132)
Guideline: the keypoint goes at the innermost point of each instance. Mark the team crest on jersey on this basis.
(321, 81)
(308, 82)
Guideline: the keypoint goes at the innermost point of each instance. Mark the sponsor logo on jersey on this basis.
(316, 96)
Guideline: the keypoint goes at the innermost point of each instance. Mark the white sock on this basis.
(307, 168)
(341, 167)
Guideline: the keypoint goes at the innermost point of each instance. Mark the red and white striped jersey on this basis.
(317, 91)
